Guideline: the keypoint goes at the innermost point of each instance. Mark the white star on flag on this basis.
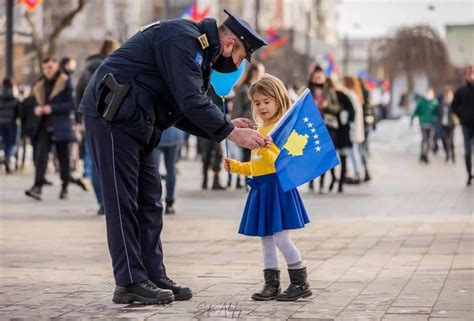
(310, 125)
(313, 130)
(316, 136)
(318, 148)
(318, 142)
(306, 119)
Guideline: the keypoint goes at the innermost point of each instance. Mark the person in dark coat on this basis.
(447, 121)
(93, 62)
(9, 112)
(53, 94)
(170, 144)
(463, 107)
(324, 95)
(343, 141)
(155, 80)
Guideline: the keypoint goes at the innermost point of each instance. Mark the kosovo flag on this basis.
(306, 148)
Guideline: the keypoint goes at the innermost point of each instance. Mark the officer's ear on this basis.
(228, 47)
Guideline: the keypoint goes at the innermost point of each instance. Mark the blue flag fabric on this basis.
(306, 148)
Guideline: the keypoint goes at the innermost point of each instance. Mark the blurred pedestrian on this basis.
(325, 97)
(9, 112)
(427, 112)
(68, 66)
(93, 62)
(171, 140)
(357, 152)
(212, 153)
(53, 94)
(463, 107)
(447, 121)
(343, 140)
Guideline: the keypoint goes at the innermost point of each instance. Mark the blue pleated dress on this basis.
(269, 209)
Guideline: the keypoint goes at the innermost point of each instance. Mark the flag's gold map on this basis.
(296, 143)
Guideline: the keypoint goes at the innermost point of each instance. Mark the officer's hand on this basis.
(38, 111)
(247, 138)
(244, 123)
(226, 164)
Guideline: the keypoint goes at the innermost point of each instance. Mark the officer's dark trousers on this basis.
(132, 200)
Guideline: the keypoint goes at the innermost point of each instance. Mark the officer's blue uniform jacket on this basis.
(168, 70)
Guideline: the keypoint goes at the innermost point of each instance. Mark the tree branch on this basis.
(67, 19)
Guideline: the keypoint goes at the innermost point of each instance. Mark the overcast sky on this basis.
(371, 18)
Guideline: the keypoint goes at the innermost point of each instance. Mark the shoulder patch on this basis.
(203, 40)
(198, 59)
(149, 26)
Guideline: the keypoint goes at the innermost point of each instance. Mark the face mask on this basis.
(315, 85)
(224, 64)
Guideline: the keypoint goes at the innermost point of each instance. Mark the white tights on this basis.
(280, 240)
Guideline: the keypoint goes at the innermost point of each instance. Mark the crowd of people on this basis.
(439, 115)
(51, 124)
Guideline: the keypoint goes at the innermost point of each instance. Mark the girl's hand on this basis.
(227, 164)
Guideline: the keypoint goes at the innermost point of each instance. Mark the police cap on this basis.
(249, 37)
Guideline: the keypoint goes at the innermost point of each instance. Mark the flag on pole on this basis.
(306, 148)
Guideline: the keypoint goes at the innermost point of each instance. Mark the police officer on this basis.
(158, 78)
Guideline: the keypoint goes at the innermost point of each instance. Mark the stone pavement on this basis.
(397, 248)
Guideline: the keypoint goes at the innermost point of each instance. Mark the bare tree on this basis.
(414, 50)
(47, 45)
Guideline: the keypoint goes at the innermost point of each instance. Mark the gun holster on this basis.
(111, 96)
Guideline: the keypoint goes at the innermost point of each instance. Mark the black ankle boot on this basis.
(145, 292)
(34, 192)
(180, 293)
(299, 286)
(238, 185)
(169, 209)
(367, 176)
(63, 195)
(216, 185)
(271, 288)
(204, 181)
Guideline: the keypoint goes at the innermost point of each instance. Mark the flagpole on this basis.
(229, 177)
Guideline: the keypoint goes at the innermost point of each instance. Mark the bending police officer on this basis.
(157, 79)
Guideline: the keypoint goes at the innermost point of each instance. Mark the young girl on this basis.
(270, 212)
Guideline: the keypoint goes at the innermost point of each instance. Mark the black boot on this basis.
(299, 286)
(216, 185)
(34, 192)
(8, 168)
(101, 210)
(468, 161)
(63, 195)
(343, 174)
(238, 185)
(271, 289)
(333, 180)
(367, 176)
(169, 209)
(180, 293)
(204, 180)
(145, 292)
